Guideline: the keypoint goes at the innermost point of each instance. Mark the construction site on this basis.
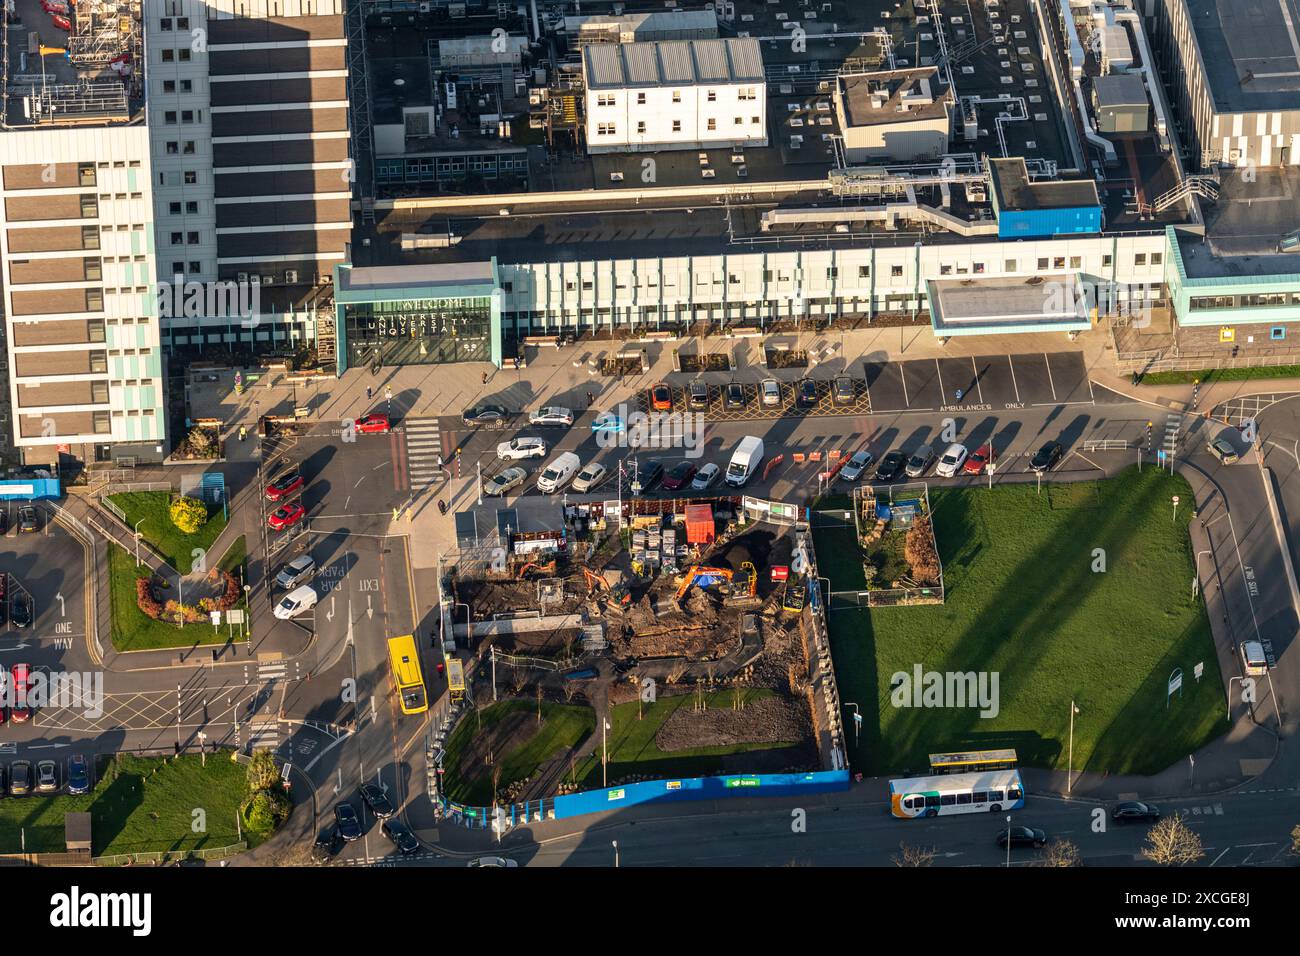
(696, 616)
(69, 64)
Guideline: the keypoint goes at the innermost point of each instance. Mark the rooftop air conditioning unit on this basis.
(242, 277)
(291, 276)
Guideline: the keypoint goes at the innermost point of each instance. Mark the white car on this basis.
(551, 415)
(520, 448)
(504, 481)
(855, 466)
(590, 477)
(705, 477)
(771, 391)
(951, 461)
(296, 601)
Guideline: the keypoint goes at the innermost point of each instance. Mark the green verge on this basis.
(631, 742)
(138, 805)
(133, 630)
(563, 727)
(1025, 602)
(1212, 375)
(149, 508)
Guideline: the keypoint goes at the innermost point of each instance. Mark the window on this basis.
(174, 208)
(640, 99)
(196, 266)
(746, 93)
(94, 300)
(178, 268)
(177, 238)
(192, 206)
(184, 56)
(89, 207)
(755, 121)
(864, 272)
(189, 147)
(101, 422)
(183, 23)
(169, 86)
(1076, 262)
(1042, 264)
(93, 270)
(89, 237)
(1140, 259)
(191, 177)
(192, 238)
(896, 271)
(169, 117)
(832, 272)
(1157, 258)
(977, 267)
(1058, 262)
(712, 124)
(677, 126)
(945, 270)
(605, 99)
(187, 116)
(98, 362)
(1105, 262)
(677, 96)
(165, 23)
(173, 148)
(605, 129)
(740, 121)
(95, 330)
(640, 127)
(187, 86)
(86, 174)
(1009, 265)
(168, 56)
(711, 96)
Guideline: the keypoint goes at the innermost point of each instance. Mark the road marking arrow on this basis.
(330, 616)
(16, 647)
(63, 608)
(370, 607)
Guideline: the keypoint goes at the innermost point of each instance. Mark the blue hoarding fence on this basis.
(656, 791)
(30, 490)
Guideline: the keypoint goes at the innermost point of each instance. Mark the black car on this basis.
(400, 834)
(22, 779)
(1046, 457)
(348, 823)
(806, 391)
(697, 396)
(78, 774)
(20, 609)
(486, 416)
(890, 466)
(735, 395)
(377, 801)
(1134, 810)
(4, 521)
(4, 780)
(1022, 836)
(326, 845)
(27, 522)
(647, 473)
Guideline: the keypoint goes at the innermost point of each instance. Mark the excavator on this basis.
(694, 574)
(618, 594)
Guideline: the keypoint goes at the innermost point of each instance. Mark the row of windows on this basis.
(176, 148)
(186, 116)
(172, 56)
(963, 799)
(190, 238)
(185, 86)
(195, 266)
(743, 94)
(180, 23)
(611, 129)
(1201, 303)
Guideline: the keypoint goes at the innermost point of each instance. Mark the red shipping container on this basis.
(699, 524)
(780, 572)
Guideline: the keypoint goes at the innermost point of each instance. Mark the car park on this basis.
(679, 476)
(1022, 836)
(661, 397)
(734, 395)
(21, 608)
(1046, 457)
(807, 393)
(297, 572)
(552, 415)
(518, 449)
(842, 393)
(771, 391)
(1223, 450)
(1130, 810)
(953, 458)
(47, 777)
(646, 474)
(349, 824)
(400, 835)
(28, 521)
(285, 516)
(608, 422)
(78, 774)
(20, 679)
(284, 486)
(22, 780)
(295, 602)
(919, 462)
(504, 481)
(558, 473)
(377, 800)
(697, 396)
(705, 477)
(856, 465)
(590, 478)
(376, 423)
(486, 415)
(979, 459)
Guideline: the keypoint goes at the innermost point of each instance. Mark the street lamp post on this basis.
(604, 754)
(1196, 579)
(614, 843)
(1069, 774)
(857, 720)
(1008, 841)
(137, 543)
(248, 614)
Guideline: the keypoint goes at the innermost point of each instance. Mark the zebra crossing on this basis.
(276, 670)
(423, 451)
(263, 735)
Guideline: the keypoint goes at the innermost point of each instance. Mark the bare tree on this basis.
(1061, 853)
(913, 855)
(517, 680)
(570, 689)
(1295, 841)
(539, 704)
(1171, 842)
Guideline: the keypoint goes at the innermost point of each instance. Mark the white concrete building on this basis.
(689, 94)
(894, 115)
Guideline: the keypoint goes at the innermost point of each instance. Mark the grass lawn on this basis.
(177, 548)
(469, 778)
(139, 805)
(132, 629)
(1210, 376)
(1024, 602)
(632, 748)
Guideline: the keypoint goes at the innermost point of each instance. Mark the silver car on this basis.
(505, 481)
(590, 477)
(855, 466)
(298, 571)
(47, 777)
(919, 462)
(552, 415)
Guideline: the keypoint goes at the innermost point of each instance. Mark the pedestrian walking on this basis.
(442, 507)
(369, 392)
(485, 378)
(959, 394)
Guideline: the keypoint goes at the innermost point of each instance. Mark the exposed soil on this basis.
(772, 719)
(541, 643)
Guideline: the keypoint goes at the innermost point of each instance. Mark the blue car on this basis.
(608, 422)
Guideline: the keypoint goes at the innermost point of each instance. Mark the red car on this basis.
(983, 455)
(286, 516)
(679, 476)
(63, 23)
(373, 424)
(20, 680)
(661, 398)
(284, 486)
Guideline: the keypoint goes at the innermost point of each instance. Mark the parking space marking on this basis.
(1012, 365)
(979, 389)
(907, 402)
(939, 374)
(1048, 361)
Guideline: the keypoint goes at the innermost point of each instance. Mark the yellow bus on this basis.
(977, 761)
(406, 674)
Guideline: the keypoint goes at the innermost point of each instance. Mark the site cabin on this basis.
(990, 792)
(531, 542)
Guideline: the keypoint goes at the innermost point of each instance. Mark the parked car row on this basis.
(16, 684)
(347, 825)
(280, 490)
(23, 778)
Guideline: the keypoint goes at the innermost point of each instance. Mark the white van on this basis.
(559, 473)
(296, 601)
(1252, 655)
(744, 461)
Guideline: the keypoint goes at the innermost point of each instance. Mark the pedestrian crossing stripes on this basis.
(264, 735)
(8, 747)
(423, 451)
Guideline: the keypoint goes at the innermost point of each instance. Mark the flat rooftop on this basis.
(610, 66)
(1017, 192)
(1250, 51)
(890, 97)
(970, 306)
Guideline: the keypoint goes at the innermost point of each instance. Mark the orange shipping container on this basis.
(699, 524)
